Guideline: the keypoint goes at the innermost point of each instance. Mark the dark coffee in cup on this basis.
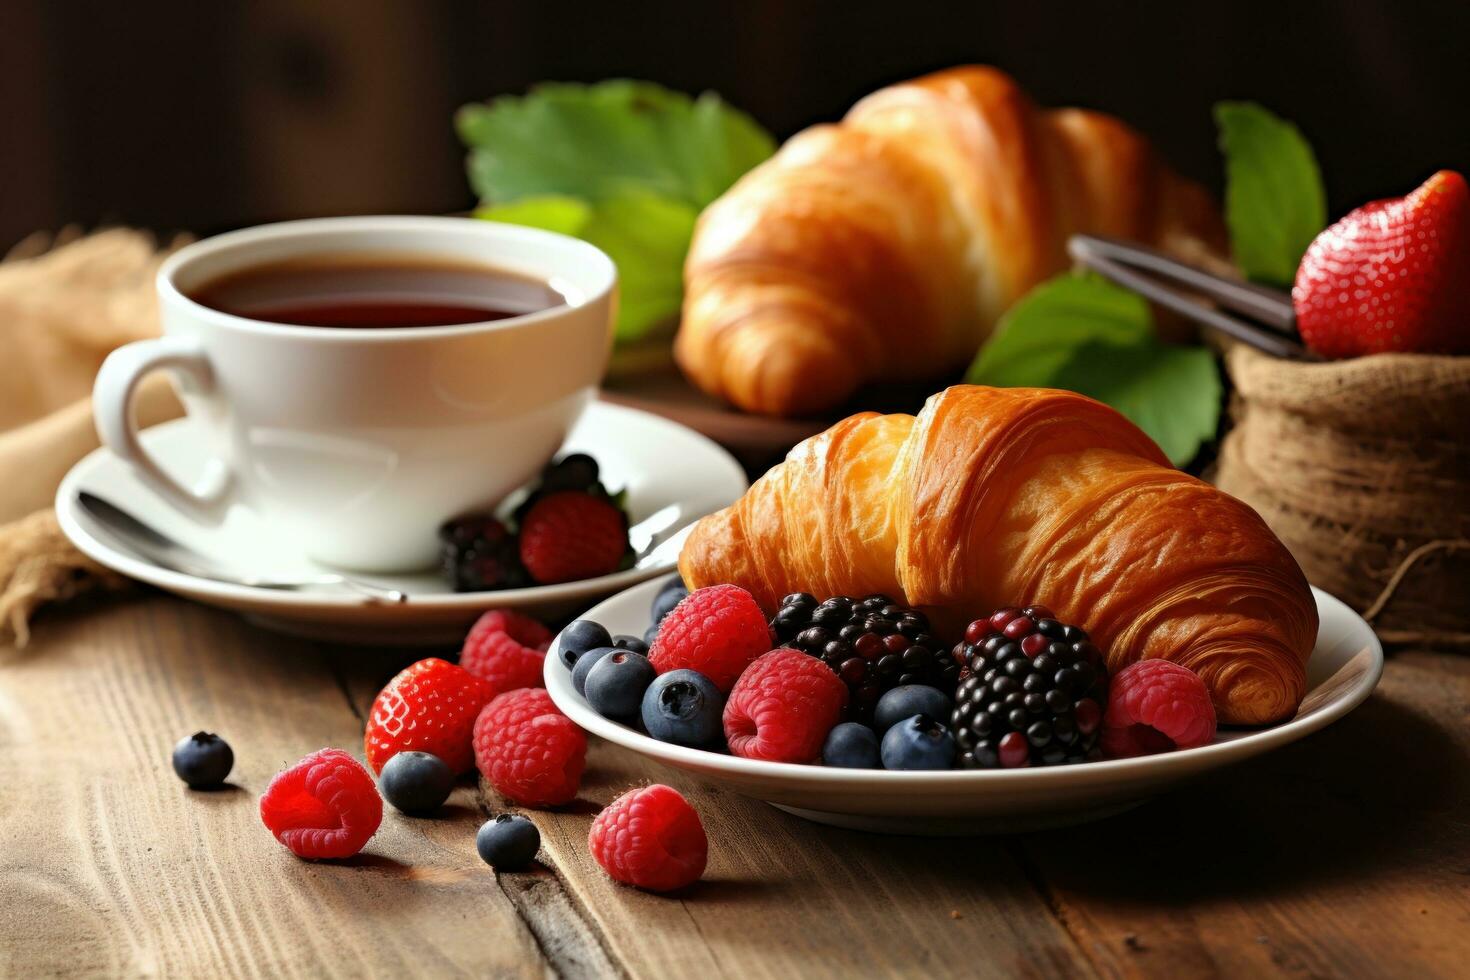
(375, 291)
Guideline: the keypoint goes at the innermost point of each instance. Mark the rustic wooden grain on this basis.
(109, 866)
(1345, 855)
(783, 897)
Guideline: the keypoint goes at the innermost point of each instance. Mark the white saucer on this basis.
(1344, 667)
(659, 463)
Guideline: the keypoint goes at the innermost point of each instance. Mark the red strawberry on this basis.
(1393, 275)
(430, 707)
(572, 535)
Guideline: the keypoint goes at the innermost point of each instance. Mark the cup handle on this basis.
(112, 408)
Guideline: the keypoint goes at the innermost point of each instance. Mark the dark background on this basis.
(203, 116)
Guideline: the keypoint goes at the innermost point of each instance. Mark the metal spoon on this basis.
(655, 539)
(163, 550)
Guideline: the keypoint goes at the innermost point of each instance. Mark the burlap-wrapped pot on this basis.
(1363, 468)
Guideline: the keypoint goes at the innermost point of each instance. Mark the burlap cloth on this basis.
(65, 302)
(1362, 467)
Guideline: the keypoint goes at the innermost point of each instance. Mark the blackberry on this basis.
(480, 553)
(1033, 695)
(874, 644)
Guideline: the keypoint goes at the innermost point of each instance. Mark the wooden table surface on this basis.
(1347, 854)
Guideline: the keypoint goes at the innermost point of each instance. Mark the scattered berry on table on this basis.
(717, 631)
(1156, 706)
(650, 838)
(615, 685)
(571, 535)
(908, 700)
(1033, 677)
(203, 760)
(325, 806)
(873, 643)
(430, 706)
(508, 842)
(625, 641)
(507, 650)
(672, 593)
(416, 782)
(584, 666)
(480, 554)
(528, 750)
(576, 471)
(782, 708)
(580, 636)
(919, 742)
(851, 745)
(683, 707)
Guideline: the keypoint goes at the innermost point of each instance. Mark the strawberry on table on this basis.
(1392, 276)
(430, 706)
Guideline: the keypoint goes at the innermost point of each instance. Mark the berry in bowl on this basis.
(1015, 724)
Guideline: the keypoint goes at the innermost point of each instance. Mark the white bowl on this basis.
(1344, 667)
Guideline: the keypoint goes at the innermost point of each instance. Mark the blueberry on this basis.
(203, 760)
(624, 641)
(616, 683)
(683, 707)
(416, 782)
(851, 745)
(585, 663)
(580, 636)
(909, 700)
(508, 842)
(668, 597)
(919, 742)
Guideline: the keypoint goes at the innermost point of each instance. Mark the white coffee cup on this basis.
(359, 443)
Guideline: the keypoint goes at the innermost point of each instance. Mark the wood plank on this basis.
(108, 865)
(783, 897)
(1345, 855)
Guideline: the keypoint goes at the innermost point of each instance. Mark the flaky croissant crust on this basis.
(995, 497)
(885, 247)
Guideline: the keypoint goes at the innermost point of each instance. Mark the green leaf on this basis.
(625, 165)
(1172, 393)
(647, 236)
(1084, 334)
(591, 141)
(553, 212)
(1040, 333)
(1274, 200)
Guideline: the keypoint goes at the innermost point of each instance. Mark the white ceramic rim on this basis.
(604, 273)
(145, 571)
(1179, 763)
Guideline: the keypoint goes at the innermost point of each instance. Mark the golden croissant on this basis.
(993, 497)
(886, 246)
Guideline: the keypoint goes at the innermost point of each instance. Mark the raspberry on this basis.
(507, 650)
(782, 707)
(716, 631)
(325, 806)
(1156, 706)
(572, 535)
(429, 707)
(650, 838)
(529, 751)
